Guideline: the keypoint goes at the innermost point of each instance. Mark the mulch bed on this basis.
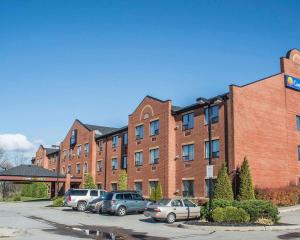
(198, 223)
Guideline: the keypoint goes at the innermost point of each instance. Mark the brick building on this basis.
(169, 145)
(46, 158)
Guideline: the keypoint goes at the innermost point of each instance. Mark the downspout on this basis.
(226, 132)
(105, 164)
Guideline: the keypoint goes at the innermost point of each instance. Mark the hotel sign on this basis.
(73, 138)
(292, 82)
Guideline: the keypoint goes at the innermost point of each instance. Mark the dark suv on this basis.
(122, 202)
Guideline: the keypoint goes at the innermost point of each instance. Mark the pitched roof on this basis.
(117, 130)
(29, 171)
(51, 150)
(101, 129)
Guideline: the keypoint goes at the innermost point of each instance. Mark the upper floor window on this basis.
(298, 122)
(78, 168)
(154, 128)
(100, 145)
(214, 114)
(139, 132)
(99, 166)
(85, 167)
(86, 149)
(125, 138)
(298, 153)
(124, 162)
(79, 151)
(215, 149)
(71, 153)
(188, 152)
(69, 169)
(138, 157)
(188, 121)
(114, 164)
(115, 140)
(154, 156)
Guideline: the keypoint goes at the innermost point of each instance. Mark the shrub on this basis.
(156, 193)
(89, 182)
(259, 209)
(35, 190)
(246, 191)
(230, 215)
(218, 214)
(285, 196)
(122, 180)
(58, 202)
(17, 198)
(216, 203)
(223, 186)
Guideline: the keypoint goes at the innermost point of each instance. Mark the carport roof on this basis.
(30, 171)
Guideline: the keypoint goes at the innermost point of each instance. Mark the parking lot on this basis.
(37, 220)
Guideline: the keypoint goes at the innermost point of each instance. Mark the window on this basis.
(100, 145)
(99, 166)
(138, 186)
(188, 121)
(114, 164)
(154, 156)
(85, 167)
(176, 203)
(137, 197)
(69, 169)
(114, 187)
(298, 122)
(215, 149)
(65, 154)
(152, 185)
(77, 168)
(71, 153)
(86, 149)
(188, 188)
(125, 138)
(63, 170)
(154, 128)
(188, 152)
(188, 203)
(298, 153)
(124, 162)
(214, 114)
(127, 196)
(138, 158)
(115, 141)
(139, 132)
(94, 193)
(99, 186)
(79, 151)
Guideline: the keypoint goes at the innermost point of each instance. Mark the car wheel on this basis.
(171, 218)
(121, 211)
(81, 206)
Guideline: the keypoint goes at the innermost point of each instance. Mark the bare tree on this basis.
(5, 187)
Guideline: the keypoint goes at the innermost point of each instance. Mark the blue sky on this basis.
(96, 60)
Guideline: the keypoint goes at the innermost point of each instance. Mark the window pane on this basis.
(298, 122)
(298, 153)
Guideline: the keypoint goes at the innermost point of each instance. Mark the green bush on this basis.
(230, 215)
(246, 191)
(89, 182)
(156, 193)
(259, 209)
(218, 214)
(122, 180)
(223, 186)
(216, 203)
(17, 198)
(35, 190)
(58, 202)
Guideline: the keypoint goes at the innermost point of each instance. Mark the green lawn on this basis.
(23, 199)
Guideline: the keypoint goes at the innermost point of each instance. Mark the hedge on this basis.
(230, 215)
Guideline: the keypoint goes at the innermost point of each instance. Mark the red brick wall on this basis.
(41, 158)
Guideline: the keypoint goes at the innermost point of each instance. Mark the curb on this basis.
(237, 228)
(289, 209)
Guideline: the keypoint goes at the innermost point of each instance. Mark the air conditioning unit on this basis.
(177, 127)
(177, 157)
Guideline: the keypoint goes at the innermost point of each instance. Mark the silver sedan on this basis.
(170, 210)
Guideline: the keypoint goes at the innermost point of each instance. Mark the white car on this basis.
(79, 198)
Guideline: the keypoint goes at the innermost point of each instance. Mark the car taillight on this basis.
(113, 202)
(69, 199)
(156, 210)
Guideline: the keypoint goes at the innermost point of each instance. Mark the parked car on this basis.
(170, 210)
(123, 202)
(95, 205)
(79, 198)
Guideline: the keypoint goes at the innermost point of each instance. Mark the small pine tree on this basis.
(89, 182)
(246, 191)
(122, 180)
(223, 186)
(156, 193)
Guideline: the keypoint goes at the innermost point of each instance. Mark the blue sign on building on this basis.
(292, 82)
(73, 138)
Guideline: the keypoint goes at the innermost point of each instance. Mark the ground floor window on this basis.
(99, 186)
(152, 185)
(138, 186)
(207, 186)
(188, 188)
(114, 186)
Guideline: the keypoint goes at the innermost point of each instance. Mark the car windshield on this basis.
(163, 202)
(108, 196)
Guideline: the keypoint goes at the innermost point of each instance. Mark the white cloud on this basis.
(16, 143)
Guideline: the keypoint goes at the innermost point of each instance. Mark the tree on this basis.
(156, 193)
(89, 182)
(223, 186)
(122, 180)
(246, 191)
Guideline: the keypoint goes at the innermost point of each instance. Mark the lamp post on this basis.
(209, 103)
(58, 168)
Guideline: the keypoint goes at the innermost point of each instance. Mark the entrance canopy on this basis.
(31, 173)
